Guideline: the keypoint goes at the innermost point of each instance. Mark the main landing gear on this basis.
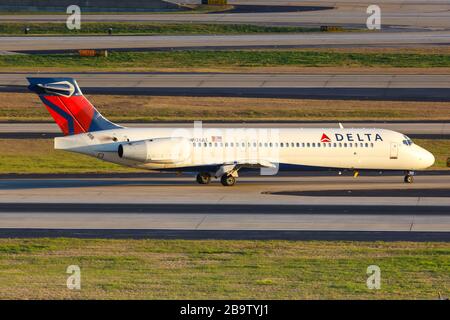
(409, 177)
(227, 179)
(203, 178)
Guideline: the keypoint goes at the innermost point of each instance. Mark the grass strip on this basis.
(26, 107)
(144, 28)
(214, 269)
(224, 59)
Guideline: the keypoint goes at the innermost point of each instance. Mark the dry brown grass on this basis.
(243, 69)
(27, 107)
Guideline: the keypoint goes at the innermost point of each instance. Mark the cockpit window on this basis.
(407, 141)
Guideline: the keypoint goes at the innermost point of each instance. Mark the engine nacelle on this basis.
(160, 150)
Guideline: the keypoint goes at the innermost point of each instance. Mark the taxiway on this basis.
(257, 207)
(409, 87)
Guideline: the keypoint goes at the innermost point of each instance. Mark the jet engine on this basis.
(159, 150)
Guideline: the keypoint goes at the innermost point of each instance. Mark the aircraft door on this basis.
(394, 150)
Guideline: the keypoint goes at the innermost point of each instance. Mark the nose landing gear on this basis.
(227, 180)
(409, 177)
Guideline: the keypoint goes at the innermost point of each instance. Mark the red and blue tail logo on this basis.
(69, 108)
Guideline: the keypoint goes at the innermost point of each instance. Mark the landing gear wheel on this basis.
(203, 178)
(409, 179)
(227, 180)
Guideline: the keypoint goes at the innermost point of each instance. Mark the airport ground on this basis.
(214, 269)
(26, 107)
(130, 28)
(312, 235)
(231, 60)
(421, 15)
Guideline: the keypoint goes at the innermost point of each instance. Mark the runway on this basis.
(405, 87)
(414, 129)
(159, 206)
(408, 14)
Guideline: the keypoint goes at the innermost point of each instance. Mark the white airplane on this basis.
(222, 153)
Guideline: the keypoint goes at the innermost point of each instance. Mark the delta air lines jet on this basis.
(222, 153)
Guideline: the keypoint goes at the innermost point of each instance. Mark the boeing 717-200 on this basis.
(221, 152)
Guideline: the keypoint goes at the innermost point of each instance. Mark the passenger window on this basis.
(298, 145)
(270, 144)
(303, 144)
(367, 145)
(231, 144)
(308, 144)
(334, 144)
(345, 145)
(281, 144)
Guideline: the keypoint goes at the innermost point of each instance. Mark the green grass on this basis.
(214, 269)
(223, 59)
(440, 149)
(38, 156)
(142, 28)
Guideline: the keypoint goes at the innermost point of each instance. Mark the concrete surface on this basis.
(178, 204)
(409, 14)
(404, 87)
(317, 39)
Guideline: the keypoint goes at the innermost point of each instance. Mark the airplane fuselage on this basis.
(200, 149)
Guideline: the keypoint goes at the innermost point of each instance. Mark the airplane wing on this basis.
(233, 167)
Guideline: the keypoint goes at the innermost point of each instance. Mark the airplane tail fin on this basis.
(68, 106)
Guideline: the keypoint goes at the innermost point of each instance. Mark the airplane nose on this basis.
(427, 158)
